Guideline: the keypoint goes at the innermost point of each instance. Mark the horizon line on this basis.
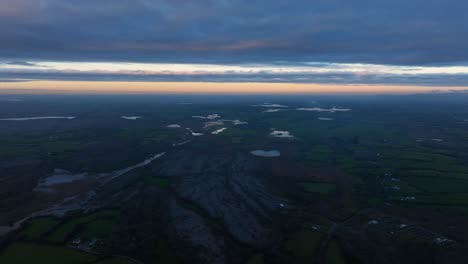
(145, 87)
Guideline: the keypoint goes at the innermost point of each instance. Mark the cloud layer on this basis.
(334, 73)
(237, 31)
(417, 42)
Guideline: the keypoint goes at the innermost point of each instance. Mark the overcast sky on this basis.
(328, 41)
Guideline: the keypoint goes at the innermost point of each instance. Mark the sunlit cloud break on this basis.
(308, 72)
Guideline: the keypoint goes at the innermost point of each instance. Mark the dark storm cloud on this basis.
(239, 31)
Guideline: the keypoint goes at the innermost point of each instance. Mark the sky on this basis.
(377, 43)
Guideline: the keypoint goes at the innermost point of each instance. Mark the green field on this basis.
(318, 155)
(115, 261)
(335, 254)
(164, 253)
(319, 187)
(99, 228)
(256, 259)
(39, 227)
(19, 253)
(450, 199)
(245, 135)
(406, 189)
(439, 185)
(25, 253)
(96, 225)
(148, 135)
(302, 246)
(156, 181)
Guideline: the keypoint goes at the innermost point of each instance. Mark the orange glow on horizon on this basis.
(91, 87)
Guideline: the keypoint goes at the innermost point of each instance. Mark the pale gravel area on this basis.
(281, 134)
(216, 132)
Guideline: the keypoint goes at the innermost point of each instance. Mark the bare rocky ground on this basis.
(227, 188)
(219, 197)
(192, 229)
